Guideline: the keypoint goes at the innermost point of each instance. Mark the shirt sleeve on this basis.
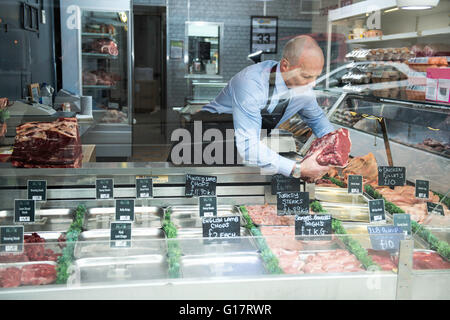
(247, 124)
(314, 116)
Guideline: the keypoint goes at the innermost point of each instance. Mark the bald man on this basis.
(264, 95)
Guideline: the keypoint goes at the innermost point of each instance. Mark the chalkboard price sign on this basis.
(207, 206)
(144, 188)
(355, 184)
(435, 208)
(125, 210)
(221, 227)
(318, 226)
(37, 190)
(403, 220)
(422, 189)
(376, 210)
(281, 183)
(197, 185)
(120, 235)
(11, 239)
(385, 238)
(24, 211)
(290, 203)
(104, 189)
(391, 176)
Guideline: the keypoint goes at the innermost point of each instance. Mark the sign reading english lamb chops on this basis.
(391, 176)
(197, 185)
(221, 227)
(290, 203)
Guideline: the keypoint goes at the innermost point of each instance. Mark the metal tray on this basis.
(192, 211)
(118, 269)
(245, 264)
(347, 212)
(339, 195)
(144, 242)
(45, 220)
(145, 217)
(211, 246)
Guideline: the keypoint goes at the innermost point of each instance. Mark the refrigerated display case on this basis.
(97, 61)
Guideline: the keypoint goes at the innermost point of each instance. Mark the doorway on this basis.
(149, 85)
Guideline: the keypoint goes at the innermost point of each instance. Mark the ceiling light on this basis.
(417, 4)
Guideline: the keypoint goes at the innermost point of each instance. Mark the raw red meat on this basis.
(105, 46)
(332, 149)
(89, 78)
(10, 277)
(267, 215)
(37, 274)
(54, 144)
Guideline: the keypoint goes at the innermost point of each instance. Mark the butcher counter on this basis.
(169, 258)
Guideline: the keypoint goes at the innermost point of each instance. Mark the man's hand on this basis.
(311, 170)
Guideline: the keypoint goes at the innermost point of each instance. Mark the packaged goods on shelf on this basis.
(421, 64)
(415, 92)
(438, 84)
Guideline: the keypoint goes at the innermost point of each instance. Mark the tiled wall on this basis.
(235, 15)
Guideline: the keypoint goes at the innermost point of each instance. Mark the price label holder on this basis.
(207, 206)
(37, 190)
(313, 227)
(355, 184)
(403, 220)
(385, 238)
(144, 188)
(422, 189)
(124, 210)
(197, 185)
(104, 189)
(24, 211)
(291, 203)
(376, 210)
(120, 235)
(281, 183)
(391, 176)
(11, 239)
(221, 227)
(435, 208)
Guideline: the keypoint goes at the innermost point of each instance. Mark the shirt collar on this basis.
(280, 85)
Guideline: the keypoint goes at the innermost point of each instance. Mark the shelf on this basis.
(98, 87)
(401, 36)
(99, 55)
(360, 8)
(98, 35)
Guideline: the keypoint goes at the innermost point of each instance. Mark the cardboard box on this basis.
(438, 85)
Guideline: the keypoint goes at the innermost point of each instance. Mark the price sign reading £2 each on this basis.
(221, 227)
(290, 203)
(385, 238)
(120, 235)
(11, 239)
(104, 189)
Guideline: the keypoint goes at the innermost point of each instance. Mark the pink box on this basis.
(438, 85)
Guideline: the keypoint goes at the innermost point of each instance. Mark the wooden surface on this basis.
(88, 153)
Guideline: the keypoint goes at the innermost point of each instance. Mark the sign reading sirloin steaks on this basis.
(197, 185)
(207, 206)
(290, 203)
(120, 235)
(316, 225)
(144, 188)
(11, 239)
(125, 210)
(355, 184)
(422, 189)
(37, 190)
(435, 208)
(281, 183)
(385, 237)
(391, 176)
(221, 227)
(104, 188)
(376, 210)
(24, 211)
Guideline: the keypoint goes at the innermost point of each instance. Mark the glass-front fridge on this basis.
(97, 62)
